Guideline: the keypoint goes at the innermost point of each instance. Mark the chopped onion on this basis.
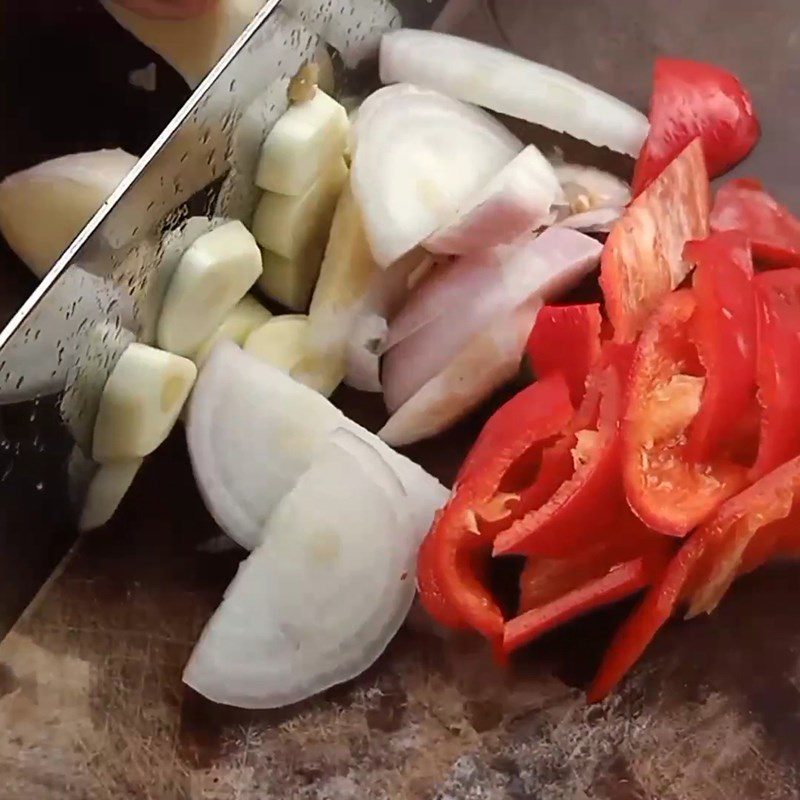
(510, 84)
(419, 157)
(318, 602)
(490, 358)
(435, 325)
(191, 45)
(43, 208)
(253, 430)
(516, 200)
(386, 292)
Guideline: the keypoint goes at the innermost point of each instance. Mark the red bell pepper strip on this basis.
(566, 339)
(746, 531)
(725, 333)
(665, 490)
(640, 628)
(454, 555)
(778, 367)
(642, 260)
(592, 498)
(773, 231)
(691, 99)
(761, 517)
(544, 580)
(620, 582)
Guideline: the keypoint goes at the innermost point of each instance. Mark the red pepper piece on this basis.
(592, 498)
(640, 628)
(746, 531)
(566, 339)
(620, 582)
(773, 231)
(455, 553)
(642, 260)
(665, 490)
(690, 99)
(725, 332)
(778, 367)
(546, 579)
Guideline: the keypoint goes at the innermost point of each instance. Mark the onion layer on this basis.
(510, 84)
(253, 431)
(318, 602)
(419, 156)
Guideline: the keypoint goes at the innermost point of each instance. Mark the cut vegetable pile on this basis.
(418, 249)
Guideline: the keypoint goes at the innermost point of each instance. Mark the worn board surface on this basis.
(91, 704)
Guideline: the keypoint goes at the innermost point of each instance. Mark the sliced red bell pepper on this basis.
(566, 339)
(620, 582)
(691, 99)
(667, 491)
(778, 367)
(773, 231)
(725, 333)
(642, 260)
(640, 628)
(515, 426)
(591, 499)
(746, 531)
(456, 551)
(758, 516)
(544, 580)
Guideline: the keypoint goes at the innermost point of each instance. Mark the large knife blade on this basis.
(62, 343)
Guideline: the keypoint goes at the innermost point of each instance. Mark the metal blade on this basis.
(105, 290)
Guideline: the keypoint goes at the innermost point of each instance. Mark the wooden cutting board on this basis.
(91, 703)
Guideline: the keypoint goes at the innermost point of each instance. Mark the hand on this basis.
(169, 9)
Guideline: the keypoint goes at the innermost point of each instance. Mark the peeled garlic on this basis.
(280, 342)
(213, 275)
(140, 402)
(43, 208)
(307, 138)
(108, 486)
(286, 225)
(247, 315)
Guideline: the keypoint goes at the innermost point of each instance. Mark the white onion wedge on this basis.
(433, 328)
(512, 85)
(489, 359)
(318, 602)
(253, 430)
(420, 156)
(43, 208)
(516, 200)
